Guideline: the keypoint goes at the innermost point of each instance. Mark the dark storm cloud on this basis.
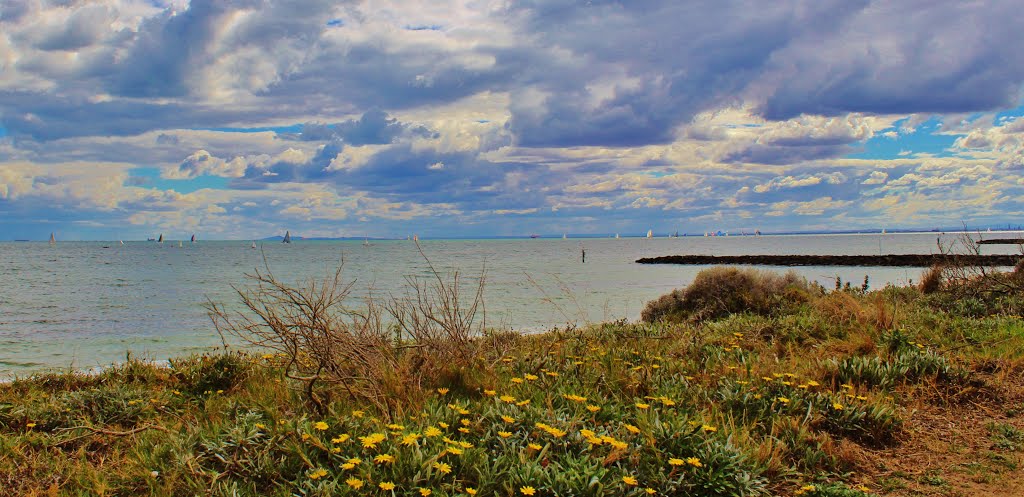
(375, 127)
(905, 57)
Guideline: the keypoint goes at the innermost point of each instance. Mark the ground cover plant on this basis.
(842, 392)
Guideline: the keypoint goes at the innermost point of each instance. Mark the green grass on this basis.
(744, 405)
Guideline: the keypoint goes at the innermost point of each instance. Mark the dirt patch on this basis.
(974, 447)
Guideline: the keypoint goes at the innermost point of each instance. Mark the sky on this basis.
(124, 119)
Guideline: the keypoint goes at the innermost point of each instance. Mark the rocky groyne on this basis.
(906, 260)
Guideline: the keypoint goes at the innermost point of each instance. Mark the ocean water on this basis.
(89, 304)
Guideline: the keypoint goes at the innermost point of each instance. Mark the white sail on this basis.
(616, 236)
(254, 244)
(650, 233)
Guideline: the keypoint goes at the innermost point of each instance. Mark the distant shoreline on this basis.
(569, 236)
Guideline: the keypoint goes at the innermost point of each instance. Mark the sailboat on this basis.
(564, 236)
(366, 242)
(193, 240)
(161, 239)
(53, 240)
(650, 233)
(122, 242)
(415, 238)
(616, 236)
(179, 243)
(287, 237)
(254, 244)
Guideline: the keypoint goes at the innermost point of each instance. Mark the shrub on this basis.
(199, 375)
(720, 291)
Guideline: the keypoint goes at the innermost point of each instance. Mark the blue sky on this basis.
(232, 119)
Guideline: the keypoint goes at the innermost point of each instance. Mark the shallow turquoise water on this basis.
(88, 304)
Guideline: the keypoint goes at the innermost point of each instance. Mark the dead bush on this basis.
(385, 351)
(720, 291)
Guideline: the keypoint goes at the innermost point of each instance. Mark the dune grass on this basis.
(832, 397)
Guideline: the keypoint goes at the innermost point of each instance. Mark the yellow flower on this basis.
(431, 432)
(316, 474)
(489, 393)
(340, 438)
(527, 490)
(354, 483)
(693, 461)
(443, 425)
(517, 380)
(782, 400)
(508, 419)
(587, 433)
(641, 405)
(504, 434)
(812, 383)
(593, 408)
(675, 461)
(463, 430)
(321, 426)
(357, 414)
(410, 439)
(30, 425)
(650, 491)
(463, 411)
(395, 427)
(575, 398)
(552, 374)
(384, 459)
(522, 403)
(470, 490)
(629, 480)
(305, 436)
(336, 450)
(386, 485)
(837, 406)
(354, 460)
(425, 492)
(530, 377)
(454, 451)
(465, 422)
(708, 428)
(347, 466)
(632, 429)
(507, 398)
(442, 467)
(442, 391)
(618, 444)
(261, 426)
(372, 440)
(534, 446)
(465, 445)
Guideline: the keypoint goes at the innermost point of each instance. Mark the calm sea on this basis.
(87, 304)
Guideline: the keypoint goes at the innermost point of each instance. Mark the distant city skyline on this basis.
(124, 119)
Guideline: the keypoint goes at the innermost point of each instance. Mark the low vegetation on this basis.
(745, 383)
